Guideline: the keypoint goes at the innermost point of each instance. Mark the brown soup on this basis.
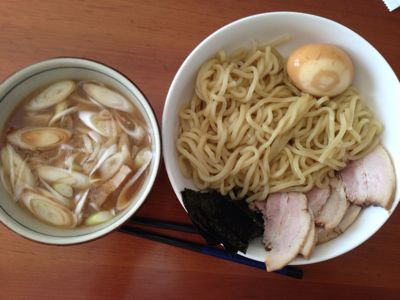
(74, 153)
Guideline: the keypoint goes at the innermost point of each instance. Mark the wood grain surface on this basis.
(147, 41)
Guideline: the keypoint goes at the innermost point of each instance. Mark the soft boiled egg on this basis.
(320, 69)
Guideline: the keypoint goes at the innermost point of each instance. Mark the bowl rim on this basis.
(167, 108)
(45, 65)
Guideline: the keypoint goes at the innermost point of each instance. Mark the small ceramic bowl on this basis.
(22, 83)
(375, 80)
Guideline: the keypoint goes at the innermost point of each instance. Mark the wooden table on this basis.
(147, 41)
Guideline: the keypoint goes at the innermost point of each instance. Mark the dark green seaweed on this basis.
(221, 220)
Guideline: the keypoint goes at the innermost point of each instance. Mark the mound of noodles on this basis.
(249, 132)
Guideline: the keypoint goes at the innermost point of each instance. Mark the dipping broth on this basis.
(74, 153)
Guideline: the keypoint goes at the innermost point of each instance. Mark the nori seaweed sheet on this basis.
(221, 220)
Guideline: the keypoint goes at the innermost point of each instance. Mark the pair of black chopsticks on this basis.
(208, 250)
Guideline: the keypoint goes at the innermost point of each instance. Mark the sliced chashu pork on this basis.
(335, 207)
(310, 243)
(371, 179)
(317, 198)
(325, 235)
(287, 224)
(349, 217)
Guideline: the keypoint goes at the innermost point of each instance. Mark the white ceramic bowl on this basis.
(37, 75)
(374, 78)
